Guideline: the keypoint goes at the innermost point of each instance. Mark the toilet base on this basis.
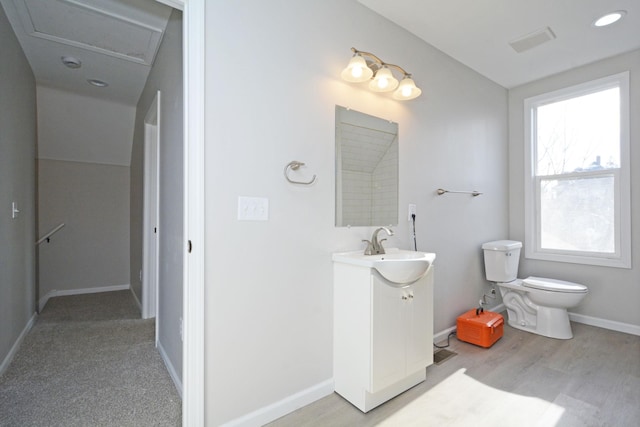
(550, 322)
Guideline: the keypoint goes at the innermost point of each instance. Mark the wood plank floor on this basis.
(590, 380)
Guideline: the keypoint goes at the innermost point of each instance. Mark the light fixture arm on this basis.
(379, 61)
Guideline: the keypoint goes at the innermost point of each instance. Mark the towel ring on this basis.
(295, 165)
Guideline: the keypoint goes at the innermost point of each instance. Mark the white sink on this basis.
(398, 266)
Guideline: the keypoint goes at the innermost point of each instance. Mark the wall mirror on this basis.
(366, 170)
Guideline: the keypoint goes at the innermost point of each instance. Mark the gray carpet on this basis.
(89, 361)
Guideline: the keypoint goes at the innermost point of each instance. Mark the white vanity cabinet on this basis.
(383, 334)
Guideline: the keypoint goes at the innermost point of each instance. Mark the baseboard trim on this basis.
(442, 335)
(612, 325)
(135, 297)
(172, 371)
(283, 407)
(627, 328)
(498, 308)
(66, 292)
(16, 345)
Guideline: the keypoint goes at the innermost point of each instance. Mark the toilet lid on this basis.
(553, 285)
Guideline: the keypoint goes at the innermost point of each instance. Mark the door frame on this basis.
(193, 350)
(151, 210)
(193, 346)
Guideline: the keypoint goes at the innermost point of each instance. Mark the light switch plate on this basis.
(253, 208)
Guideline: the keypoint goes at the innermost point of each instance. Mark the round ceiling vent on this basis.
(71, 62)
(98, 83)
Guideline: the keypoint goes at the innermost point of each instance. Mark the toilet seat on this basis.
(553, 285)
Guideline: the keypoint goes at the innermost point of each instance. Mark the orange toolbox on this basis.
(480, 327)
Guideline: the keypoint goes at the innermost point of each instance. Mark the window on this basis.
(577, 191)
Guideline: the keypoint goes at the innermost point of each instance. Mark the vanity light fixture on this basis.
(365, 66)
(383, 81)
(609, 18)
(357, 71)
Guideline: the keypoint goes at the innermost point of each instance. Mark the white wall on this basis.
(84, 153)
(92, 250)
(614, 293)
(17, 184)
(166, 76)
(83, 129)
(272, 83)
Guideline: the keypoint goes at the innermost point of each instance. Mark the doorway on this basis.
(150, 242)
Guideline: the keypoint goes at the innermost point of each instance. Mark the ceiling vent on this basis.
(71, 62)
(532, 40)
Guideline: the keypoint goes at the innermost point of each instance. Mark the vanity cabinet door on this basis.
(388, 334)
(419, 326)
(401, 337)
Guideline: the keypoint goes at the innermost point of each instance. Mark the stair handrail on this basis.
(47, 236)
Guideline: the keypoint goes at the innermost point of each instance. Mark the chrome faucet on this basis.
(374, 246)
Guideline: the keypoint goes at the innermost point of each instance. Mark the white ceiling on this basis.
(116, 41)
(477, 32)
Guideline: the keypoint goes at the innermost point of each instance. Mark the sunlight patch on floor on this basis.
(461, 400)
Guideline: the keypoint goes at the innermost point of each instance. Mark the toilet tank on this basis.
(501, 259)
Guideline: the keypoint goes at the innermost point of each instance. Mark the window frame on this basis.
(621, 258)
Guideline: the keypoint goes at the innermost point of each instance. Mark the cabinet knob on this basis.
(404, 297)
(411, 296)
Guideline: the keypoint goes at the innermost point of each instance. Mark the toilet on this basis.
(535, 304)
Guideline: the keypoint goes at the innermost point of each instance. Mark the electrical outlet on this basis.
(412, 211)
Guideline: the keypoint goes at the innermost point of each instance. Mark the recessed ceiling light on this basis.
(609, 18)
(98, 83)
(71, 62)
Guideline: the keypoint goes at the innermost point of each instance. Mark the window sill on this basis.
(579, 259)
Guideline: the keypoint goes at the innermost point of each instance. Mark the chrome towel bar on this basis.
(474, 193)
